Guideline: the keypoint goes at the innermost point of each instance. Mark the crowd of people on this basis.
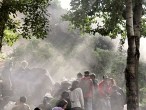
(83, 93)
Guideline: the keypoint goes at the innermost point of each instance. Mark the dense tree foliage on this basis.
(106, 17)
(24, 18)
(33, 51)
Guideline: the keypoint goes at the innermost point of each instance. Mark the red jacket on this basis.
(86, 85)
(103, 88)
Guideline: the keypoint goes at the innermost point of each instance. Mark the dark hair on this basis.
(86, 73)
(105, 77)
(64, 94)
(23, 99)
(37, 108)
(74, 85)
(61, 103)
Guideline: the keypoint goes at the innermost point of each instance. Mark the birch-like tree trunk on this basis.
(133, 25)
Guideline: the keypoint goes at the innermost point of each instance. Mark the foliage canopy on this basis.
(24, 17)
(106, 17)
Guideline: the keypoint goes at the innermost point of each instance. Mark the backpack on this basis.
(116, 99)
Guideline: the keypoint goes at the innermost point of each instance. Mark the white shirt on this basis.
(21, 106)
(76, 98)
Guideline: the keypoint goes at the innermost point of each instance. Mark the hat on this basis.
(48, 95)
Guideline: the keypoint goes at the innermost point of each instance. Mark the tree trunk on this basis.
(130, 71)
(131, 76)
(133, 25)
(4, 9)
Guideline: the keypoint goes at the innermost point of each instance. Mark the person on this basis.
(104, 86)
(45, 105)
(6, 77)
(95, 98)
(61, 105)
(39, 87)
(104, 93)
(116, 99)
(116, 93)
(79, 76)
(19, 76)
(55, 89)
(6, 84)
(87, 87)
(37, 108)
(22, 104)
(63, 87)
(65, 96)
(76, 96)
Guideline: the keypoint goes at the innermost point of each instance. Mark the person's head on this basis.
(93, 76)
(75, 84)
(64, 95)
(86, 73)
(23, 99)
(79, 75)
(62, 103)
(105, 77)
(46, 100)
(65, 85)
(37, 108)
